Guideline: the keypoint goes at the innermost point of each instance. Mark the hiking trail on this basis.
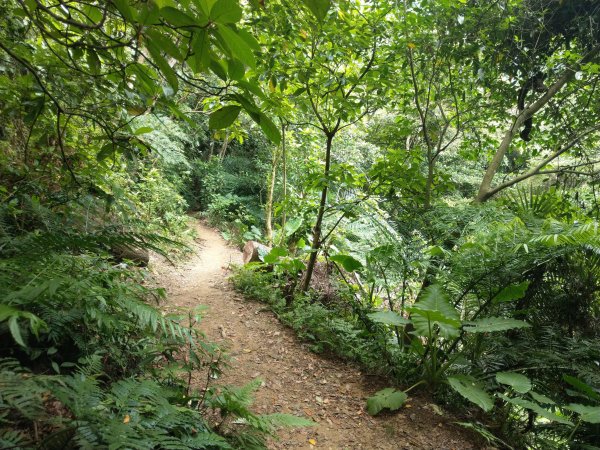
(330, 392)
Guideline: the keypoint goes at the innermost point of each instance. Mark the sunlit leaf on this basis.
(349, 263)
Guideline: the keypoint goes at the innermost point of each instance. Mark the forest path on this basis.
(297, 381)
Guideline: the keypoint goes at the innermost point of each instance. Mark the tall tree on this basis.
(334, 68)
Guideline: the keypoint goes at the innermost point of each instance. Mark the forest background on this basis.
(423, 172)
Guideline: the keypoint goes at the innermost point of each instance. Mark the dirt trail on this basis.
(329, 392)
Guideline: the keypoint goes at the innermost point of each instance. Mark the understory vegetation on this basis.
(422, 176)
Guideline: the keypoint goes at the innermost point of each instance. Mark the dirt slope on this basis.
(296, 381)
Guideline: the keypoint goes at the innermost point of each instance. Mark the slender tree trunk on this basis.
(269, 201)
(284, 181)
(429, 181)
(486, 182)
(224, 146)
(316, 241)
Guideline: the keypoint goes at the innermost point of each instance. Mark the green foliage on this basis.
(468, 387)
(519, 383)
(118, 116)
(386, 398)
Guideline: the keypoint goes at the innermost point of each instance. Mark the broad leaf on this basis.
(143, 130)
(165, 43)
(541, 399)
(226, 11)
(349, 263)
(388, 318)
(512, 292)
(163, 65)
(388, 398)
(266, 124)
(319, 8)
(124, 9)
(537, 409)
(275, 254)
(235, 69)
(224, 117)
(178, 18)
(469, 388)
(434, 309)
(491, 324)
(520, 383)
(582, 387)
(590, 414)
(236, 45)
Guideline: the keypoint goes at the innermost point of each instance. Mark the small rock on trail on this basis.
(329, 392)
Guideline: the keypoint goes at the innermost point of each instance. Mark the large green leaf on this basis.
(491, 324)
(164, 43)
(226, 11)
(521, 402)
(512, 292)
(275, 254)
(520, 383)
(590, 414)
(180, 19)
(434, 309)
(124, 9)
(266, 124)
(541, 399)
(388, 318)
(349, 263)
(582, 387)
(319, 8)
(163, 65)
(200, 60)
(388, 398)
(236, 45)
(224, 117)
(469, 388)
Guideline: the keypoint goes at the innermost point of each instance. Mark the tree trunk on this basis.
(224, 146)
(429, 181)
(316, 241)
(269, 200)
(284, 181)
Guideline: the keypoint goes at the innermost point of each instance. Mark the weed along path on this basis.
(295, 380)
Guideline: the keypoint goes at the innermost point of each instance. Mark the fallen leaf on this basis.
(126, 419)
(312, 442)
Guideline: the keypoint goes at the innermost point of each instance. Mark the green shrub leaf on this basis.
(590, 414)
(349, 263)
(388, 318)
(520, 383)
(388, 398)
(512, 292)
(469, 388)
(537, 409)
(224, 117)
(319, 8)
(434, 309)
(491, 324)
